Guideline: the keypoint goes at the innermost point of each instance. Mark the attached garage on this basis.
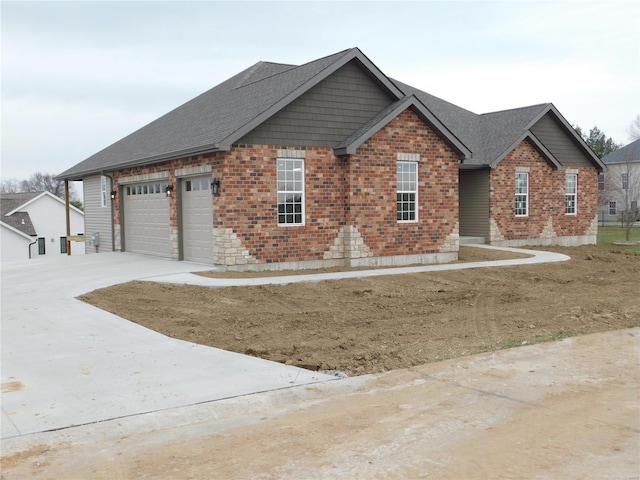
(146, 219)
(197, 219)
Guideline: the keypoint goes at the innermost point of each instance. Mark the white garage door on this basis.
(197, 219)
(146, 219)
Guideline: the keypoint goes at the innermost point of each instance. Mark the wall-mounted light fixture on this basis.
(113, 194)
(168, 189)
(215, 187)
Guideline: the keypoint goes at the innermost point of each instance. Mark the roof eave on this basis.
(537, 145)
(165, 157)
(424, 113)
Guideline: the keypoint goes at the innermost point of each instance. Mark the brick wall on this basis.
(347, 199)
(547, 216)
(371, 183)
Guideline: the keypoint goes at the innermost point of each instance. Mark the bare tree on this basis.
(634, 129)
(10, 186)
(623, 186)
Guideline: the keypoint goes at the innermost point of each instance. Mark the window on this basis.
(571, 193)
(290, 191)
(407, 191)
(625, 181)
(522, 194)
(63, 244)
(104, 194)
(41, 246)
(612, 208)
(600, 182)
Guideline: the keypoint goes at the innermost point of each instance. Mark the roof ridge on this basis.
(516, 108)
(293, 67)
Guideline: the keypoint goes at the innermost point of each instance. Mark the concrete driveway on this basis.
(66, 363)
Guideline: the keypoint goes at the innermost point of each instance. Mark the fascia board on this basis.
(541, 149)
(571, 131)
(423, 113)
(350, 55)
(165, 157)
(15, 230)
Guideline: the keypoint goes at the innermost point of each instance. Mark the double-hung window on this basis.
(571, 194)
(42, 249)
(522, 194)
(625, 181)
(600, 182)
(290, 191)
(613, 208)
(407, 191)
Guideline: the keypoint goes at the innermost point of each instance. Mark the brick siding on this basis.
(546, 199)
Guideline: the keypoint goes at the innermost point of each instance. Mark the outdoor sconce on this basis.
(215, 187)
(168, 189)
(113, 194)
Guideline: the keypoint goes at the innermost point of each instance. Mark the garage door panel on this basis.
(146, 220)
(197, 219)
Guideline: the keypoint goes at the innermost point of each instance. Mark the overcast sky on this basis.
(78, 76)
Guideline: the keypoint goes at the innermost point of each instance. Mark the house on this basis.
(619, 186)
(334, 163)
(34, 224)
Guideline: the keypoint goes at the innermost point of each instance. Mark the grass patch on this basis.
(609, 234)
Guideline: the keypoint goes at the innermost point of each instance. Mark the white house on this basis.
(619, 187)
(34, 224)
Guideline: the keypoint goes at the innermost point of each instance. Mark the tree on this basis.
(634, 129)
(598, 141)
(623, 186)
(41, 182)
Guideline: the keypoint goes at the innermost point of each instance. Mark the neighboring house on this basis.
(34, 224)
(619, 186)
(334, 163)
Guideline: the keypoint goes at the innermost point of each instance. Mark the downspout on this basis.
(113, 225)
(29, 247)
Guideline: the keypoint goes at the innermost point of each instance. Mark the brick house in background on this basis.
(333, 163)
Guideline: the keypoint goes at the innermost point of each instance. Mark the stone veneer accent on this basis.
(173, 243)
(117, 242)
(348, 244)
(494, 232)
(593, 228)
(228, 248)
(452, 241)
(548, 231)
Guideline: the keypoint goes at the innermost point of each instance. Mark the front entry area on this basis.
(146, 219)
(197, 219)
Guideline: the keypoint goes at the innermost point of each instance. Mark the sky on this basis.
(78, 76)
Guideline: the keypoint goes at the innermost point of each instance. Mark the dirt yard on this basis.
(383, 323)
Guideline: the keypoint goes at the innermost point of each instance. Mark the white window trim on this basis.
(301, 192)
(574, 195)
(398, 191)
(104, 193)
(615, 208)
(526, 194)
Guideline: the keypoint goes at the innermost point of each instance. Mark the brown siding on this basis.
(326, 114)
(474, 203)
(552, 135)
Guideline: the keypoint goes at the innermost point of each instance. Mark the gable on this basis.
(327, 113)
(553, 136)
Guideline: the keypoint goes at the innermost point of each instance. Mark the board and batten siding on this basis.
(556, 140)
(326, 114)
(96, 217)
(474, 203)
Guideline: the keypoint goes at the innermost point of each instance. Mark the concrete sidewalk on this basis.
(67, 363)
(284, 279)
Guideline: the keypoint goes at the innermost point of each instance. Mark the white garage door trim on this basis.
(146, 219)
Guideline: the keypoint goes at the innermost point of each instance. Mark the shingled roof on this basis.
(9, 203)
(628, 154)
(216, 119)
